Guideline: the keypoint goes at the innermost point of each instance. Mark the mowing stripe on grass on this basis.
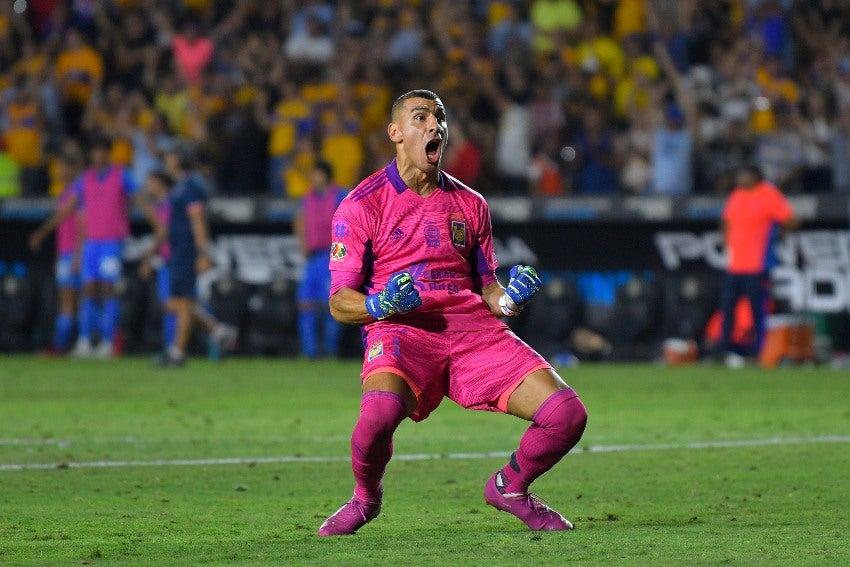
(422, 456)
(29, 442)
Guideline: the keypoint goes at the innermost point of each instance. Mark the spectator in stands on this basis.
(675, 137)
(193, 59)
(755, 210)
(552, 20)
(341, 145)
(150, 139)
(288, 121)
(510, 94)
(311, 45)
(817, 132)
(721, 160)
(242, 168)
(779, 152)
(79, 72)
(313, 228)
(23, 133)
(596, 163)
(463, 156)
(840, 152)
(634, 151)
(68, 250)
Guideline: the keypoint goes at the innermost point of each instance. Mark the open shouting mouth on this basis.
(433, 150)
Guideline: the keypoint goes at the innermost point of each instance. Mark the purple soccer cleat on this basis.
(527, 507)
(352, 516)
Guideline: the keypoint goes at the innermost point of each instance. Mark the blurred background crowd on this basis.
(547, 97)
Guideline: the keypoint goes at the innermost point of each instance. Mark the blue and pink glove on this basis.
(400, 296)
(524, 284)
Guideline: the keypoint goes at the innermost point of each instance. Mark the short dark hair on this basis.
(753, 170)
(416, 93)
(185, 152)
(325, 167)
(100, 141)
(162, 177)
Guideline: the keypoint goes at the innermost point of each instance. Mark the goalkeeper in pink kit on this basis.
(412, 260)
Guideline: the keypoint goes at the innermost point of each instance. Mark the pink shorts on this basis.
(475, 369)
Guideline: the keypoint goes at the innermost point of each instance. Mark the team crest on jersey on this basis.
(376, 350)
(458, 233)
(338, 251)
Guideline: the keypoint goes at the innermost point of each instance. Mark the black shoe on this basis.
(165, 360)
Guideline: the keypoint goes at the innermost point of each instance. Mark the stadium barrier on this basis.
(596, 243)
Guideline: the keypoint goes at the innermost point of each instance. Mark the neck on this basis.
(421, 182)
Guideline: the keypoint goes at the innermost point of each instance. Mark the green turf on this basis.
(782, 504)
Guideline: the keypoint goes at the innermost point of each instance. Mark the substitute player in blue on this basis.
(102, 193)
(312, 226)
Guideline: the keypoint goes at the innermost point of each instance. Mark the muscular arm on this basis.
(491, 295)
(348, 306)
(200, 233)
(49, 225)
(299, 228)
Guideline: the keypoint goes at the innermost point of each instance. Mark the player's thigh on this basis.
(416, 356)
(163, 284)
(535, 389)
(312, 288)
(182, 280)
(109, 262)
(488, 365)
(89, 259)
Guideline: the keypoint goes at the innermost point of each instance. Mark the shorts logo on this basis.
(341, 229)
(432, 235)
(338, 251)
(375, 351)
(458, 233)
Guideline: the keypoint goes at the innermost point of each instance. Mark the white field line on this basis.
(775, 441)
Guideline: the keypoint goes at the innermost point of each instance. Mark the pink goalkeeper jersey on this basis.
(444, 240)
(66, 231)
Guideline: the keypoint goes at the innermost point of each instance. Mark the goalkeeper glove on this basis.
(400, 296)
(523, 285)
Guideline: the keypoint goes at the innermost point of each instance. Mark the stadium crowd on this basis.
(548, 97)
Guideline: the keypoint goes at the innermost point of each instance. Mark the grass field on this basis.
(240, 462)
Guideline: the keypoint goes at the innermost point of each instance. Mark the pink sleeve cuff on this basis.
(341, 279)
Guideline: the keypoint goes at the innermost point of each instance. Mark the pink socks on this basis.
(372, 441)
(555, 429)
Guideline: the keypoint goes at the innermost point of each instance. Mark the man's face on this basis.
(99, 156)
(747, 179)
(419, 129)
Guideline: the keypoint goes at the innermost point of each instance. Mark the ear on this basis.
(395, 132)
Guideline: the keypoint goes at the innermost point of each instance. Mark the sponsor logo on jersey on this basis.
(341, 229)
(338, 251)
(376, 350)
(458, 233)
(397, 234)
(432, 235)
